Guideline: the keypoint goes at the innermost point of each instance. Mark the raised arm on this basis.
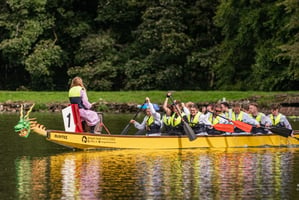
(165, 107)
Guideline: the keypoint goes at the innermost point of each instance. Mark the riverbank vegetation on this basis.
(149, 45)
(139, 96)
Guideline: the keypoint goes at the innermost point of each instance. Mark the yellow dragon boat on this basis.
(85, 141)
(103, 141)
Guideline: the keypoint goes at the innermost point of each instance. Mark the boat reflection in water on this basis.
(186, 174)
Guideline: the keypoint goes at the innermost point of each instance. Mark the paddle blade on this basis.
(243, 126)
(224, 127)
(284, 132)
(189, 131)
(125, 130)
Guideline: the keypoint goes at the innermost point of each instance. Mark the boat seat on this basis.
(98, 127)
(80, 124)
(77, 118)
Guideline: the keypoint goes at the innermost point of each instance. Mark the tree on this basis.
(159, 49)
(290, 50)
(96, 55)
(253, 33)
(206, 38)
(22, 23)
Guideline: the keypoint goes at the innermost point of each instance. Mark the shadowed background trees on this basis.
(150, 45)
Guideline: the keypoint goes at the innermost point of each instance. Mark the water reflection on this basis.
(31, 178)
(189, 174)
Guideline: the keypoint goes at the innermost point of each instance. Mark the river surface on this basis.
(33, 168)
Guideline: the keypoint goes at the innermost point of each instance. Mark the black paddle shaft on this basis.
(126, 129)
(187, 128)
(220, 116)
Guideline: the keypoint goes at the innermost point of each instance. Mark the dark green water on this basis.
(34, 168)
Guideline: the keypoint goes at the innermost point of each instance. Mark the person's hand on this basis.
(292, 134)
(92, 105)
(147, 99)
(258, 125)
(132, 121)
(168, 94)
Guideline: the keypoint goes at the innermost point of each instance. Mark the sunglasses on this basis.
(218, 110)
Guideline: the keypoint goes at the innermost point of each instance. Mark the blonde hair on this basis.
(77, 81)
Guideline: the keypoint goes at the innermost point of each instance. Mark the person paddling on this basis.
(239, 115)
(172, 119)
(198, 121)
(151, 122)
(278, 119)
(226, 110)
(261, 118)
(214, 118)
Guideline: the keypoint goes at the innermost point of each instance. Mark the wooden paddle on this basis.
(126, 129)
(186, 126)
(241, 125)
(106, 129)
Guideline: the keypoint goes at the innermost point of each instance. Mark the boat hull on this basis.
(94, 141)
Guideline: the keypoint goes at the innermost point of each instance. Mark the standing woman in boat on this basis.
(172, 121)
(278, 119)
(78, 95)
(151, 122)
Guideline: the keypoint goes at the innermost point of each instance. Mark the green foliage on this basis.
(41, 64)
(40, 107)
(290, 50)
(163, 46)
(95, 47)
(201, 67)
(97, 54)
(147, 45)
(253, 32)
(158, 97)
(45, 55)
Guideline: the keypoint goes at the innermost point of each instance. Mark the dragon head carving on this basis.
(26, 124)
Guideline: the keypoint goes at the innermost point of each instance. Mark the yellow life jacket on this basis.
(194, 120)
(151, 127)
(215, 120)
(227, 114)
(275, 121)
(75, 91)
(258, 118)
(166, 120)
(75, 96)
(239, 118)
(149, 121)
(175, 120)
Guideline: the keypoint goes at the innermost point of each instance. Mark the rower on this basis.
(226, 110)
(278, 119)
(214, 118)
(242, 116)
(198, 121)
(151, 122)
(172, 119)
(261, 118)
